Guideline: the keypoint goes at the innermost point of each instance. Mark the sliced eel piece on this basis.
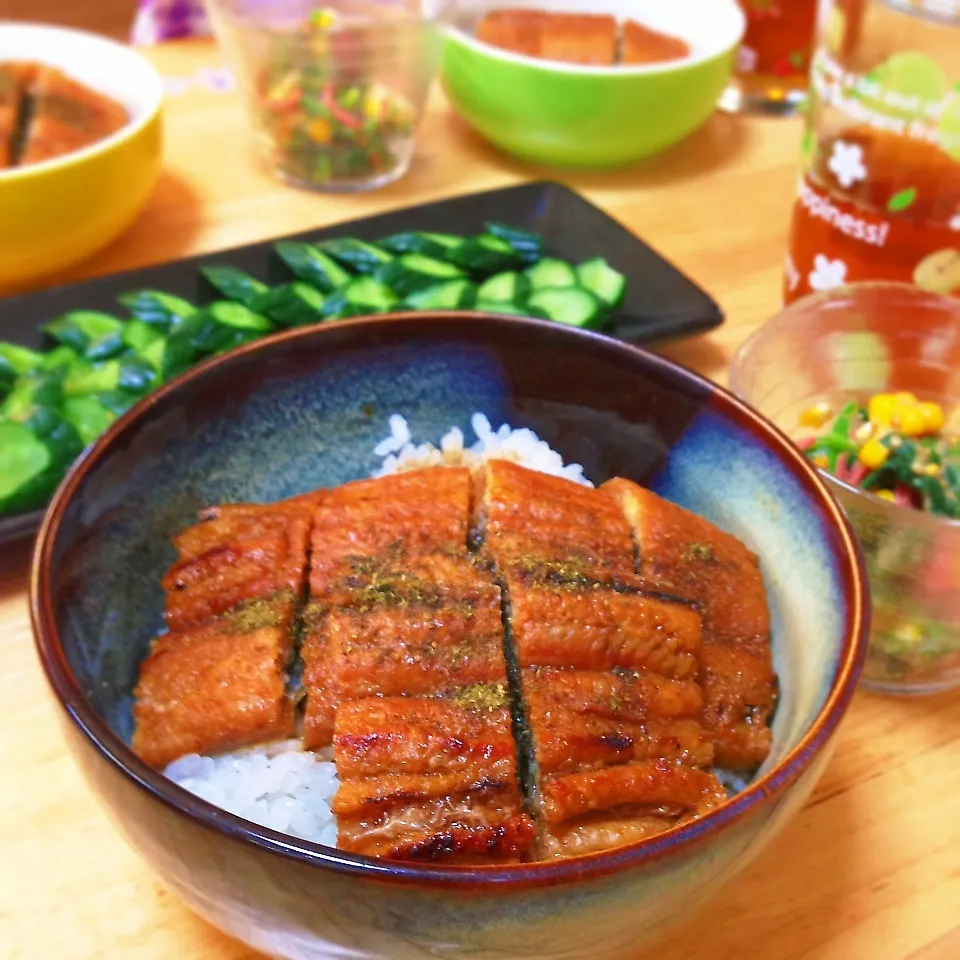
(567, 37)
(616, 756)
(549, 526)
(683, 554)
(67, 116)
(417, 627)
(390, 555)
(588, 720)
(402, 515)
(598, 809)
(595, 627)
(216, 686)
(430, 779)
(235, 554)
(640, 44)
(14, 78)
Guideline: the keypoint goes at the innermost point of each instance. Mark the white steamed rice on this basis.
(282, 786)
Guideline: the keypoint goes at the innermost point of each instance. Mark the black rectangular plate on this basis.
(660, 303)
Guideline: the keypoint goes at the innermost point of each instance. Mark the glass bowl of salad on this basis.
(335, 89)
(866, 379)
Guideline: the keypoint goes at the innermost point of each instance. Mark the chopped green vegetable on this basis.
(138, 335)
(88, 417)
(102, 365)
(437, 245)
(234, 284)
(93, 334)
(33, 458)
(157, 308)
(16, 360)
(450, 295)
(130, 374)
(510, 287)
(356, 254)
(573, 307)
(414, 271)
(224, 325)
(311, 265)
(360, 297)
(292, 305)
(486, 254)
(551, 273)
(529, 246)
(603, 281)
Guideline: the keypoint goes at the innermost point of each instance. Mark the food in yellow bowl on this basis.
(80, 144)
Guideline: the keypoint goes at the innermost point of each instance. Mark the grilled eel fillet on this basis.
(683, 554)
(368, 585)
(217, 679)
(607, 669)
(404, 668)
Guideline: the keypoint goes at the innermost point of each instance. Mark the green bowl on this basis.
(593, 117)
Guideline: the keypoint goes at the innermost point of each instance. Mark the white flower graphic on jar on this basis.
(846, 163)
(827, 273)
(954, 223)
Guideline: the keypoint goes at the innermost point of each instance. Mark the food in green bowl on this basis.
(592, 116)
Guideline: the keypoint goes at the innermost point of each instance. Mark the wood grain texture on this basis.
(869, 870)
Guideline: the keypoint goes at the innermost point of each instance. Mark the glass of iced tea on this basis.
(879, 193)
(774, 60)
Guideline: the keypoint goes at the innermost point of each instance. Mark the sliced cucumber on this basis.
(138, 335)
(360, 297)
(510, 287)
(92, 333)
(311, 265)
(292, 305)
(511, 309)
(551, 272)
(486, 254)
(438, 245)
(224, 325)
(413, 272)
(233, 284)
(157, 308)
(170, 355)
(529, 246)
(603, 281)
(356, 254)
(16, 360)
(451, 295)
(572, 306)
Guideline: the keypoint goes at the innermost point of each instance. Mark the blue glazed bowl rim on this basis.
(761, 792)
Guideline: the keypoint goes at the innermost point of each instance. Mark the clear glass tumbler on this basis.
(846, 345)
(879, 193)
(773, 64)
(335, 91)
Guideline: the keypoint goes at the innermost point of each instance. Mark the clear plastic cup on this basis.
(335, 92)
(846, 345)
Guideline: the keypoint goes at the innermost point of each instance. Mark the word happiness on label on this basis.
(820, 207)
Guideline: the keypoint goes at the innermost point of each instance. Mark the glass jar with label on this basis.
(773, 62)
(879, 191)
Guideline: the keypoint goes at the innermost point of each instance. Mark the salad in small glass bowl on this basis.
(866, 379)
(335, 91)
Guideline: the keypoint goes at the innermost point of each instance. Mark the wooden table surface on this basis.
(870, 869)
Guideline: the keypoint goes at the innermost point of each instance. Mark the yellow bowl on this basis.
(56, 213)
